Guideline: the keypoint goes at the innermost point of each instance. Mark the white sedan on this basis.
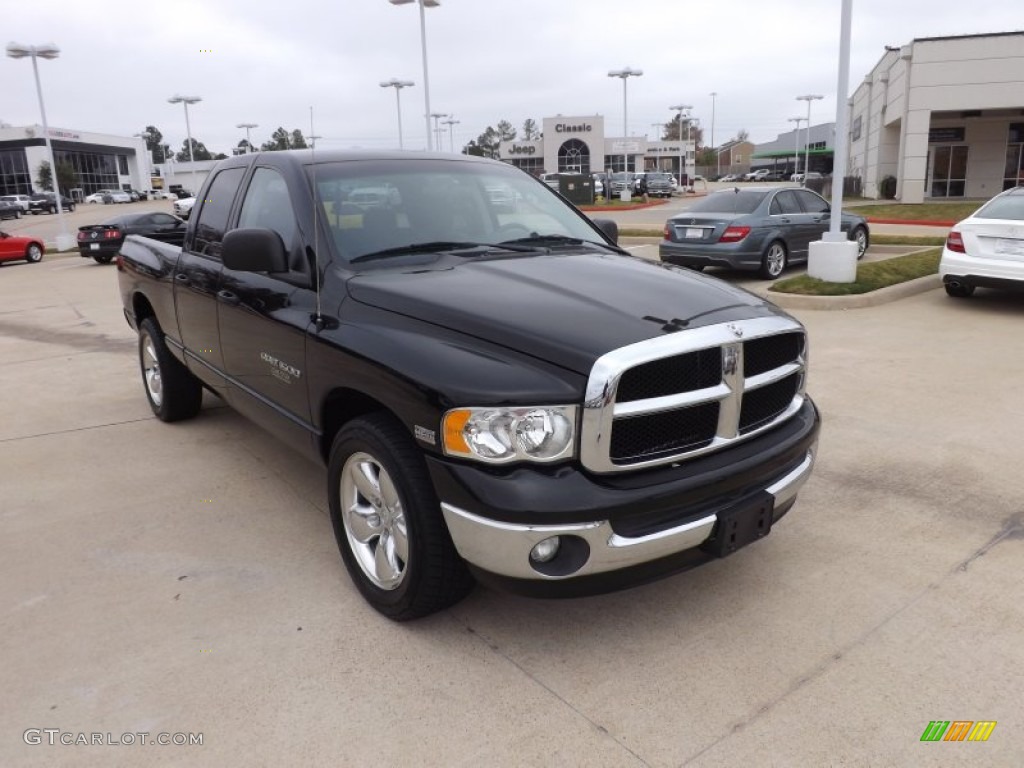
(109, 195)
(987, 248)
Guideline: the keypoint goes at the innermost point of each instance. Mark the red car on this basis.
(14, 248)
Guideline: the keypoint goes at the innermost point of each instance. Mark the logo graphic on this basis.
(958, 730)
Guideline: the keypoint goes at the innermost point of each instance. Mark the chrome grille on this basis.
(688, 393)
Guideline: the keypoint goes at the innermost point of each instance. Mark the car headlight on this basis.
(500, 435)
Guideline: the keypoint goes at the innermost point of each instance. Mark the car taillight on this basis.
(734, 234)
(667, 233)
(955, 242)
(112, 234)
(82, 235)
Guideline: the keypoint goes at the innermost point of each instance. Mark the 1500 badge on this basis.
(279, 369)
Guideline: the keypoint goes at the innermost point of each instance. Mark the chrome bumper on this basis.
(504, 548)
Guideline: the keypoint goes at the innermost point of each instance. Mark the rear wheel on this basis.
(33, 254)
(773, 262)
(959, 290)
(388, 523)
(860, 236)
(174, 394)
(104, 259)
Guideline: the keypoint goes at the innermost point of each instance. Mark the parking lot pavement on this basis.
(184, 579)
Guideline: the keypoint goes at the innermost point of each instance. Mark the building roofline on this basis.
(966, 37)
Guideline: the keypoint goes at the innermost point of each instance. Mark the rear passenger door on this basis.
(818, 212)
(789, 217)
(197, 280)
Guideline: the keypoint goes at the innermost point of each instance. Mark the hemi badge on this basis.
(426, 435)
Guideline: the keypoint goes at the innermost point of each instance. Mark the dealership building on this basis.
(579, 145)
(944, 116)
(100, 161)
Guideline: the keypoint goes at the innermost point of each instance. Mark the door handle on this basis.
(785, 220)
(182, 278)
(227, 297)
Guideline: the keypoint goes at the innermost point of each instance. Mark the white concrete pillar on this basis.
(833, 258)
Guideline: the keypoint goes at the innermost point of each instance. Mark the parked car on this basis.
(108, 196)
(659, 184)
(798, 176)
(987, 248)
(14, 248)
(757, 175)
(477, 419)
(551, 179)
(183, 208)
(162, 194)
(759, 229)
(46, 202)
(9, 210)
(622, 181)
(102, 241)
(22, 201)
(730, 177)
(774, 176)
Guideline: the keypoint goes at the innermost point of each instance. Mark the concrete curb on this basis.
(911, 222)
(858, 301)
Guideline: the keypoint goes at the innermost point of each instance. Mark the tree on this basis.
(67, 177)
(297, 140)
(671, 131)
(220, 156)
(44, 176)
(281, 140)
(245, 146)
(530, 132)
(472, 148)
(199, 151)
(505, 131)
(742, 134)
(154, 143)
(707, 157)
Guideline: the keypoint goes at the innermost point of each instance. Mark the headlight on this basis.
(500, 435)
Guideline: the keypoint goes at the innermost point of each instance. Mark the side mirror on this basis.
(254, 250)
(610, 229)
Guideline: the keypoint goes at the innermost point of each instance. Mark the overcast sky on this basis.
(268, 62)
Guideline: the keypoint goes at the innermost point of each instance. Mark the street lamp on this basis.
(398, 85)
(312, 140)
(807, 148)
(437, 129)
(451, 123)
(718, 155)
(186, 100)
(423, 44)
(625, 74)
(682, 152)
(796, 142)
(248, 142)
(45, 51)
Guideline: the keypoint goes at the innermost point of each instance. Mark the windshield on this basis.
(728, 201)
(377, 205)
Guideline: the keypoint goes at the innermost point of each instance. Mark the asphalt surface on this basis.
(185, 579)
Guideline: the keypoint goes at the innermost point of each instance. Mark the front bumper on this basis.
(623, 531)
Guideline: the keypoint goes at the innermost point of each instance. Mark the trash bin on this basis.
(577, 188)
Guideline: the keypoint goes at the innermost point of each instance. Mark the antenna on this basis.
(316, 224)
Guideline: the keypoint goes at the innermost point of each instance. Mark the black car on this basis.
(9, 210)
(46, 202)
(102, 241)
(762, 229)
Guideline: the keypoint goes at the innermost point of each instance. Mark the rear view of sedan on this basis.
(987, 248)
(762, 229)
(103, 241)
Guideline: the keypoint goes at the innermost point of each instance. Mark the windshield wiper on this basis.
(555, 240)
(438, 246)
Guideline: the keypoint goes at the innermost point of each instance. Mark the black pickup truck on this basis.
(497, 391)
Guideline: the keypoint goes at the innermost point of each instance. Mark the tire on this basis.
(33, 254)
(173, 393)
(773, 261)
(17, 214)
(383, 506)
(860, 236)
(960, 291)
(104, 259)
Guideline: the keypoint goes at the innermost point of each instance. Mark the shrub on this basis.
(888, 187)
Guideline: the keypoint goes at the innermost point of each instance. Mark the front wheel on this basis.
(33, 254)
(174, 394)
(388, 524)
(104, 259)
(860, 236)
(773, 262)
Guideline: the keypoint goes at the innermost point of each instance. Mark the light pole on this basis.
(312, 140)
(186, 100)
(625, 74)
(451, 122)
(398, 85)
(248, 142)
(718, 155)
(807, 148)
(437, 129)
(423, 44)
(46, 51)
(682, 152)
(796, 142)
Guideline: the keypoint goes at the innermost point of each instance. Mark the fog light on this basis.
(544, 551)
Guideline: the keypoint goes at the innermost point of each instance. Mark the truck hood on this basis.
(568, 309)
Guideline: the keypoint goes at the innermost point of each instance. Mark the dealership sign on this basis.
(581, 128)
(522, 149)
